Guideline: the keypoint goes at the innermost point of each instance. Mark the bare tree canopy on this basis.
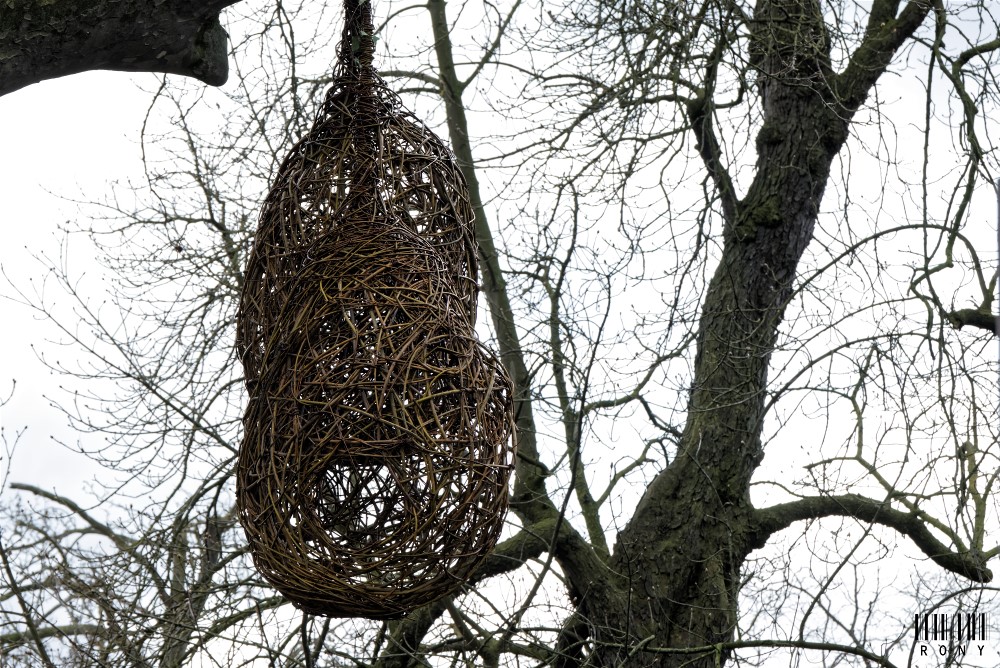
(738, 258)
(42, 40)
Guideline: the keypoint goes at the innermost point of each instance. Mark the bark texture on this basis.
(980, 318)
(679, 557)
(44, 39)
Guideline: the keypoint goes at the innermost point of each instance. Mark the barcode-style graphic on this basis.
(954, 628)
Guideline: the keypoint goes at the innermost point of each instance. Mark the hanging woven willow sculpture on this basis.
(373, 473)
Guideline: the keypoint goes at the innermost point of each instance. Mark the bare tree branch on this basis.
(768, 521)
(44, 40)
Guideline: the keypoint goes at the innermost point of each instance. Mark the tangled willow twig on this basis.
(373, 473)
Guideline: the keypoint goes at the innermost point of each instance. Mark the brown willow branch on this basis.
(767, 521)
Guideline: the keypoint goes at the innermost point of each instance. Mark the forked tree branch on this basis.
(884, 35)
(768, 521)
(405, 635)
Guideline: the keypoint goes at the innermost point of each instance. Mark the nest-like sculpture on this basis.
(373, 474)
(362, 133)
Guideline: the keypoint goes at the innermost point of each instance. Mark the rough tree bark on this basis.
(46, 39)
(980, 318)
(679, 558)
(673, 579)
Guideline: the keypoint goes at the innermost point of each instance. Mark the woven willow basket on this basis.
(373, 474)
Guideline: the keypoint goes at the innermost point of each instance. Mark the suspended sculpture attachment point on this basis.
(373, 474)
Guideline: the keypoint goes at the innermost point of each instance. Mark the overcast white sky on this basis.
(69, 139)
(60, 140)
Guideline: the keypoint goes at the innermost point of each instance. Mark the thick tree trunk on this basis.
(682, 551)
(42, 40)
(673, 580)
